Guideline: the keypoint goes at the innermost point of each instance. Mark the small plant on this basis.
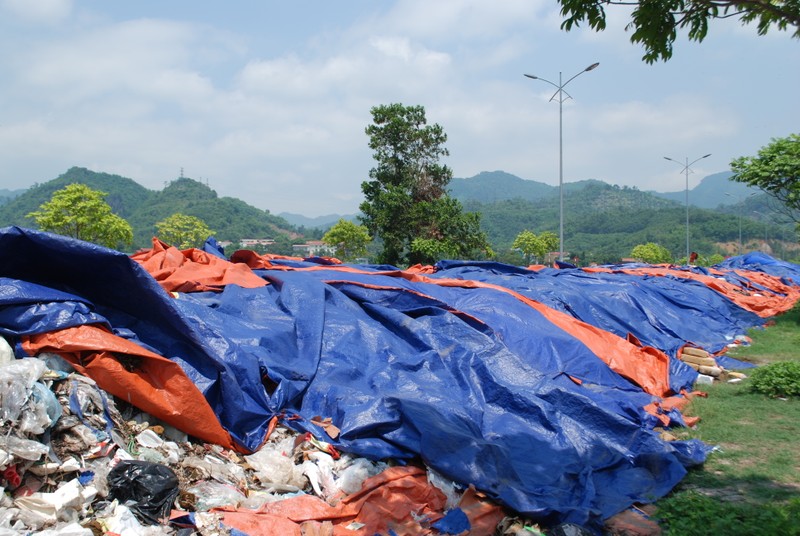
(781, 379)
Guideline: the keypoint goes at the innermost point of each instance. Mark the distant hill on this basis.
(491, 186)
(8, 195)
(320, 222)
(602, 222)
(711, 192)
(229, 218)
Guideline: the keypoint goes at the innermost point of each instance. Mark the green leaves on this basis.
(406, 203)
(651, 253)
(183, 231)
(776, 170)
(781, 379)
(80, 212)
(349, 239)
(533, 246)
(654, 23)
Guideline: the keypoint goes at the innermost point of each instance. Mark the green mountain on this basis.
(8, 195)
(713, 191)
(602, 223)
(229, 218)
(492, 186)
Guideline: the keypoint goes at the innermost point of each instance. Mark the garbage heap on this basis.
(76, 461)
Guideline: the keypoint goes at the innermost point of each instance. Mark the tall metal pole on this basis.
(685, 169)
(560, 172)
(741, 209)
(687, 209)
(560, 93)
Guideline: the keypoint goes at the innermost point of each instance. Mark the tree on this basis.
(183, 231)
(651, 253)
(655, 24)
(776, 170)
(533, 246)
(80, 212)
(406, 203)
(349, 239)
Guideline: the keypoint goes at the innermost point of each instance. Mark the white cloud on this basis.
(279, 120)
(38, 11)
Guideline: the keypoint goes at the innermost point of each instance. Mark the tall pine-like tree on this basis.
(406, 203)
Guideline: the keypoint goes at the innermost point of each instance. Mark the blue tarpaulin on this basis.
(480, 384)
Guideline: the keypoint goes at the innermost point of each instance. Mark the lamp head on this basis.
(592, 67)
(532, 76)
(706, 156)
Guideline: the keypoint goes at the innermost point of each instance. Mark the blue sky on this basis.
(268, 101)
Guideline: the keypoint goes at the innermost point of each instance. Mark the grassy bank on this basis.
(751, 483)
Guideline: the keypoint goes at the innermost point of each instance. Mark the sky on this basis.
(268, 101)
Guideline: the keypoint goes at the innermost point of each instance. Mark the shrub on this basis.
(779, 379)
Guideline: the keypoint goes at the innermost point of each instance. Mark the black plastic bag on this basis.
(148, 489)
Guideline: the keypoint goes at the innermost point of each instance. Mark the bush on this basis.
(781, 379)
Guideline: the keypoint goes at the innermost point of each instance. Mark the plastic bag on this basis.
(148, 489)
(210, 494)
(16, 383)
(6, 352)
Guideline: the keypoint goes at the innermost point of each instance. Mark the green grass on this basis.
(751, 483)
(778, 342)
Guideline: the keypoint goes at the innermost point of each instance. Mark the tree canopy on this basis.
(183, 231)
(535, 246)
(80, 212)
(655, 24)
(406, 202)
(349, 239)
(776, 170)
(651, 253)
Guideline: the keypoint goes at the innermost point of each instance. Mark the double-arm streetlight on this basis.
(685, 169)
(562, 96)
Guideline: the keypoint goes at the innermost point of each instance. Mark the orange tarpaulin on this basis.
(762, 304)
(148, 381)
(399, 499)
(193, 270)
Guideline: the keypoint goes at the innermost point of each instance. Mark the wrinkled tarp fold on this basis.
(488, 376)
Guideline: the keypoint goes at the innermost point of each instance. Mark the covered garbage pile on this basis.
(514, 402)
(74, 463)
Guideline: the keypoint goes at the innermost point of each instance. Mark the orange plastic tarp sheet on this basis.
(193, 270)
(123, 368)
(764, 305)
(385, 502)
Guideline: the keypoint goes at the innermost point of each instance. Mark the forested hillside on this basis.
(602, 223)
(231, 219)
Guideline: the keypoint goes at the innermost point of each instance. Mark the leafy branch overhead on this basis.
(655, 23)
(776, 170)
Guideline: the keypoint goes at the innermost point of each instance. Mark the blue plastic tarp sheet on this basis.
(475, 383)
(663, 312)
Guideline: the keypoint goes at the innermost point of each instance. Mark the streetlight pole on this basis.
(562, 96)
(741, 208)
(686, 170)
(766, 223)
